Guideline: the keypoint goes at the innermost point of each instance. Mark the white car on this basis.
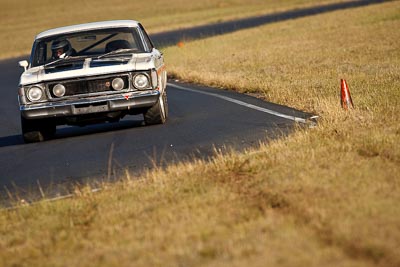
(91, 73)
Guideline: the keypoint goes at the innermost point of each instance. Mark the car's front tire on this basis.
(158, 113)
(37, 130)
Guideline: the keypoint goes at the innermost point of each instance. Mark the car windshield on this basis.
(86, 44)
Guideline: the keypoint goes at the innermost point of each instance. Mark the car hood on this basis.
(87, 67)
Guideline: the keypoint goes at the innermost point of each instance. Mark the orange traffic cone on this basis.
(345, 95)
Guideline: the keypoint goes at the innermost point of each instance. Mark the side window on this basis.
(146, 38)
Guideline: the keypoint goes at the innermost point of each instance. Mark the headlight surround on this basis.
(118, 84)
(141, 81)
(59, 90)
(154, 78)
(34, 93)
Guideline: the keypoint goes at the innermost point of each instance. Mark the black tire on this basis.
(37, 130)
(158, 113)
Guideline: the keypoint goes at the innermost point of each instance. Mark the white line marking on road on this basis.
(265, 110)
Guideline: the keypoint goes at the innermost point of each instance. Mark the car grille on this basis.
(81, 87)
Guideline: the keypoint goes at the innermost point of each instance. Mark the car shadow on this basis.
(74, 131)
(11, 140)
(64, 132)
(173, 37)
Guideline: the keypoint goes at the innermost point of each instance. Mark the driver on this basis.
(61, 49)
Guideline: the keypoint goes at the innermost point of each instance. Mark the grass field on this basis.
(326, 196)
(22, 20)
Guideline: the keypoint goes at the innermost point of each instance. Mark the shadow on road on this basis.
(75, 131)
(12, 140)
(172, 37)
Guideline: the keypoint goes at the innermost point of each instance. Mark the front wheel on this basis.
(158, 113)
(37, 130)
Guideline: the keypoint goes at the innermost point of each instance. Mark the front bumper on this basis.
(99, 104)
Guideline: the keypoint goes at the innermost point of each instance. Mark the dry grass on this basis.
(302, 66)
(342, 178)
(326, 196)
(22, 20)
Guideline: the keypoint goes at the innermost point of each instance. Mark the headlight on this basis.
(34, 93)
(141, 81)
(117, 84)
(59, 90)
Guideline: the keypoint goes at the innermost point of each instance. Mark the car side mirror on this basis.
(24, 64)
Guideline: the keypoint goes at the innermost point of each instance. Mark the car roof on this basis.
(88, 26)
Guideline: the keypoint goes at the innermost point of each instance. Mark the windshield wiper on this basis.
(118, 51)
(54, 62)
(62, 59)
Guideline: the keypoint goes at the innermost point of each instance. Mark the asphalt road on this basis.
(201, 121)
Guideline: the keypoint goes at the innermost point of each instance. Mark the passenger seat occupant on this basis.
(117, 44)
(61, 49)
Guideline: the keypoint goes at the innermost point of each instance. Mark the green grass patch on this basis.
(326, 196)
